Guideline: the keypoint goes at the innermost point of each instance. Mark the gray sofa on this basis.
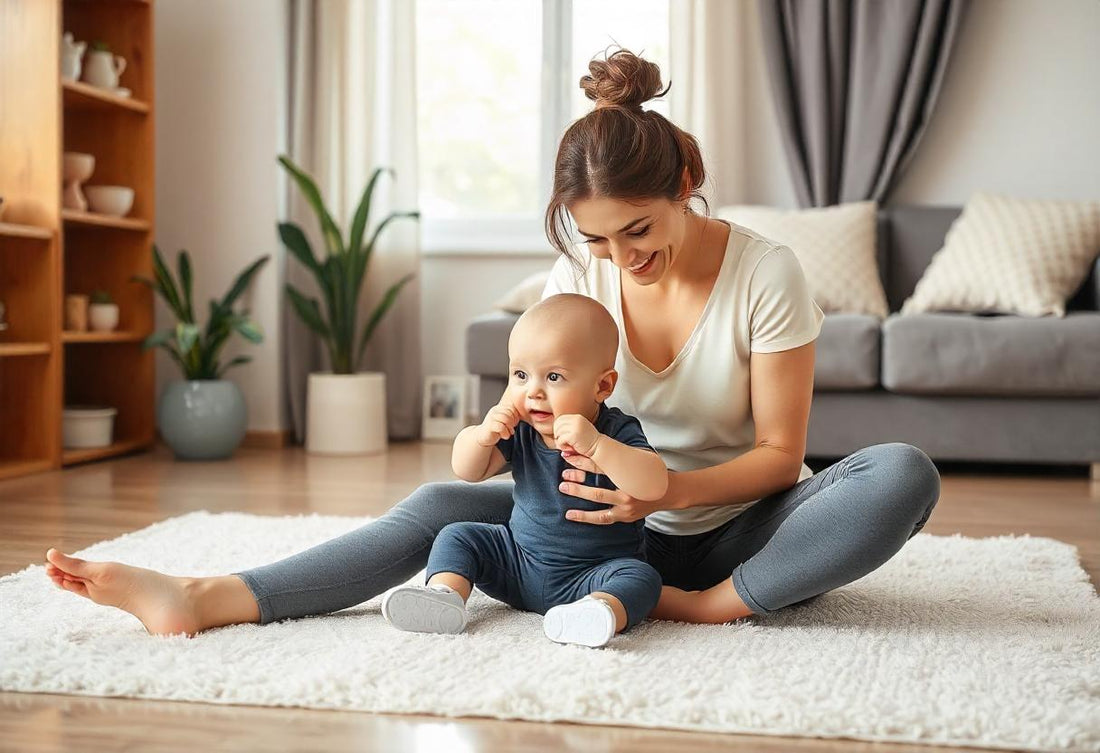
(959, 386)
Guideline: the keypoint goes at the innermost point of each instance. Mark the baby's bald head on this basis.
(577, 325)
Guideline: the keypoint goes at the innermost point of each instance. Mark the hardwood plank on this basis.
(74, 508)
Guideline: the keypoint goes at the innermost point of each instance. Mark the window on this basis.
(497, 86)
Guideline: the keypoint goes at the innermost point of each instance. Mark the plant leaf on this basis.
(296, 242)
(308, 311)
(387, 301)
(157, 339)
(166, 286)
(362, 213)
(242, 282)
(333, 242)
(239, 360)
(187, 334)
(184, 262)
(249, 330)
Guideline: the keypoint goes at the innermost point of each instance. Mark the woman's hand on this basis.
(623, 508)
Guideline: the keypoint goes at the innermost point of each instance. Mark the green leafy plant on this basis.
(101, 296)
(100, 46)
(194, 349)
(340, 274)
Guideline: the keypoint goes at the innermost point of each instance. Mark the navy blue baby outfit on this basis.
(539, 559)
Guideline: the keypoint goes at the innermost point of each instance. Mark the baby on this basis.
(590, 581)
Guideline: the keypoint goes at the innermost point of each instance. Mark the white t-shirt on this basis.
(697, 413)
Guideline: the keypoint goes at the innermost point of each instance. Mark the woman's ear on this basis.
(606, 385)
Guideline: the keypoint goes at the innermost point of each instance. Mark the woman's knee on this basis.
(909, 474)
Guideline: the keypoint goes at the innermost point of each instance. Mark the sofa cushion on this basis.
(836, 247)
(487, 343)
(959, 354)
(847, 352)
(1011, 256)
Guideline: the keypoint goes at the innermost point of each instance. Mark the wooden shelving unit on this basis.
(47, 252)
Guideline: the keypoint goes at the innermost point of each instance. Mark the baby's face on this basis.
(552, 374)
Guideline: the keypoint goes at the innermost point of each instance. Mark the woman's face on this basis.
(643, 238)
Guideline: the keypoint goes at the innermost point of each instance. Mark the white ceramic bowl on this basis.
(77, 166)
(87, 427)
(113, 200)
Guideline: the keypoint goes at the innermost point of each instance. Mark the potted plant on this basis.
(102, 312)
(203, 417)
(345, 409)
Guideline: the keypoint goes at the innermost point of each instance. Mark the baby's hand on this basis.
(500, 423)
(575, 434)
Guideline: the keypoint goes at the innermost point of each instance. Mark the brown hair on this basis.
(619, 150)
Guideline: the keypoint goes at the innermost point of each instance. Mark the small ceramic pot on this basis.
(115, 201)
(103, 317)
(76, 313)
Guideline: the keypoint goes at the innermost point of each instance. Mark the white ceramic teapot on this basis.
(71, 53)
(102, 69)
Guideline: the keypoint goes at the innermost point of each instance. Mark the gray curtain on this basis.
(351, 108)
(854, 84)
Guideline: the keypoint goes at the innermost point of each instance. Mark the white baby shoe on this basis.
(425, 609)
(588, 622)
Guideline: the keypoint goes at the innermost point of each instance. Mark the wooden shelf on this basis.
(24, 349)
(24, 231)
(102, 337)
(70, 456)
(91, 219)
(81, 96)
(11, 468)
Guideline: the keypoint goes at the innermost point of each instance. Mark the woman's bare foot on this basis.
(165, 604)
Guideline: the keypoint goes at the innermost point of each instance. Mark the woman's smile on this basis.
(644, 265)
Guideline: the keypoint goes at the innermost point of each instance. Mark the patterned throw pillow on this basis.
(1011, 256)
(524, 295)
(834, 245)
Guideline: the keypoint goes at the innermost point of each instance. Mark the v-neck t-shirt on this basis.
(697, 412)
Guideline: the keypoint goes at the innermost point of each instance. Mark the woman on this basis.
(716, 358)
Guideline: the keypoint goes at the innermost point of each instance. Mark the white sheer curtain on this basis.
(710, 88)
(352, 108)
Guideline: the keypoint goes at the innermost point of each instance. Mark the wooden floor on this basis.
(75, 508)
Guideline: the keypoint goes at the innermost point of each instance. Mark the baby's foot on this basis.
(425, 609)
(588, 622)
(161, 602)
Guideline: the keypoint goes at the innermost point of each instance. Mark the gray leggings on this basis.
(824, 532)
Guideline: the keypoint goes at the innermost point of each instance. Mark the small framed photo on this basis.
(445, 407)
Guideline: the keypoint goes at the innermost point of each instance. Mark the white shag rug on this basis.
(956, 641)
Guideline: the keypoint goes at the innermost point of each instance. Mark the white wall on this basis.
(220, 94)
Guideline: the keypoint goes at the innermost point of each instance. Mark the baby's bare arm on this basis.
(635, 470)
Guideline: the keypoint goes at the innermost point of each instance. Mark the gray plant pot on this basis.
(203, 419)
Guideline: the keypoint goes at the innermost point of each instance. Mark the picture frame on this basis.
(445, 407)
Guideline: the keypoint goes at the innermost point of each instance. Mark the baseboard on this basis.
(267, 440)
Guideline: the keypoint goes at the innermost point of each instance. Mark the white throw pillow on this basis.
(1011, 256)
(834, 245)
(524, 295)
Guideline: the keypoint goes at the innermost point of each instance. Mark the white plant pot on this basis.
(103, 317)
(346, 414)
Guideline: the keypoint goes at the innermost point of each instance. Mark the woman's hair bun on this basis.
(622, 79)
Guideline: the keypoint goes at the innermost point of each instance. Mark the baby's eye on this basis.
(554, 376)
(519, 374)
